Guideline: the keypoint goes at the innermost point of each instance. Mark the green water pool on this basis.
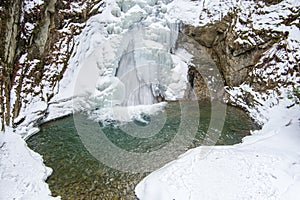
(77, 174)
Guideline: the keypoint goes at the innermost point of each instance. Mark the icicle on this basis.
(174, 28)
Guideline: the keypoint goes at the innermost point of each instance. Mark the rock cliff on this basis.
(246, 43)
(37, 39)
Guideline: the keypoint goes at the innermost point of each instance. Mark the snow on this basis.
(30, 4)
(265, 166)
(185, 10)
(126, 114)
(176, 89)
(22, 172)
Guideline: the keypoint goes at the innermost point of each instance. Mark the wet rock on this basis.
(272, 2)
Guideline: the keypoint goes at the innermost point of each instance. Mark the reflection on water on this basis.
(78, 175)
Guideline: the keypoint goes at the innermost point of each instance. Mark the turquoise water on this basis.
(78, 175)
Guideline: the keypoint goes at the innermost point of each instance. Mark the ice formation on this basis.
(126, 59)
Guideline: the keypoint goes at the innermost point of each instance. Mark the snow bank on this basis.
(265, 166)
(22, 172)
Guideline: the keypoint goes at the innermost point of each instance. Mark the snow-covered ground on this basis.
(265, 166)
(22, 172)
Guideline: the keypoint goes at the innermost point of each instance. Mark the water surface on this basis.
(78, 175)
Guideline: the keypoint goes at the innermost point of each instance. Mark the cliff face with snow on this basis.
(37, 39)
(256, 48)
(46, 44)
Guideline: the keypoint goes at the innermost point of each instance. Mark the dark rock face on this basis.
(9, 32)
(205, 81)
(191, 76)
(272, 2)
(198, 86)
(234, 60)
(208, 35)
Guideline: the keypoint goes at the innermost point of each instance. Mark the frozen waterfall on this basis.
(128, 58)
(145, 62)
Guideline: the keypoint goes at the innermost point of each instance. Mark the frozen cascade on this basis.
(137, 79)
(129, 62)
(174, 30)
(145, 62)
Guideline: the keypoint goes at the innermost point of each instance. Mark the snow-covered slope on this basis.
(22, 172)
(265, 166)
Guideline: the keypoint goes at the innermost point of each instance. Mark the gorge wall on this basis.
(37, 38)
